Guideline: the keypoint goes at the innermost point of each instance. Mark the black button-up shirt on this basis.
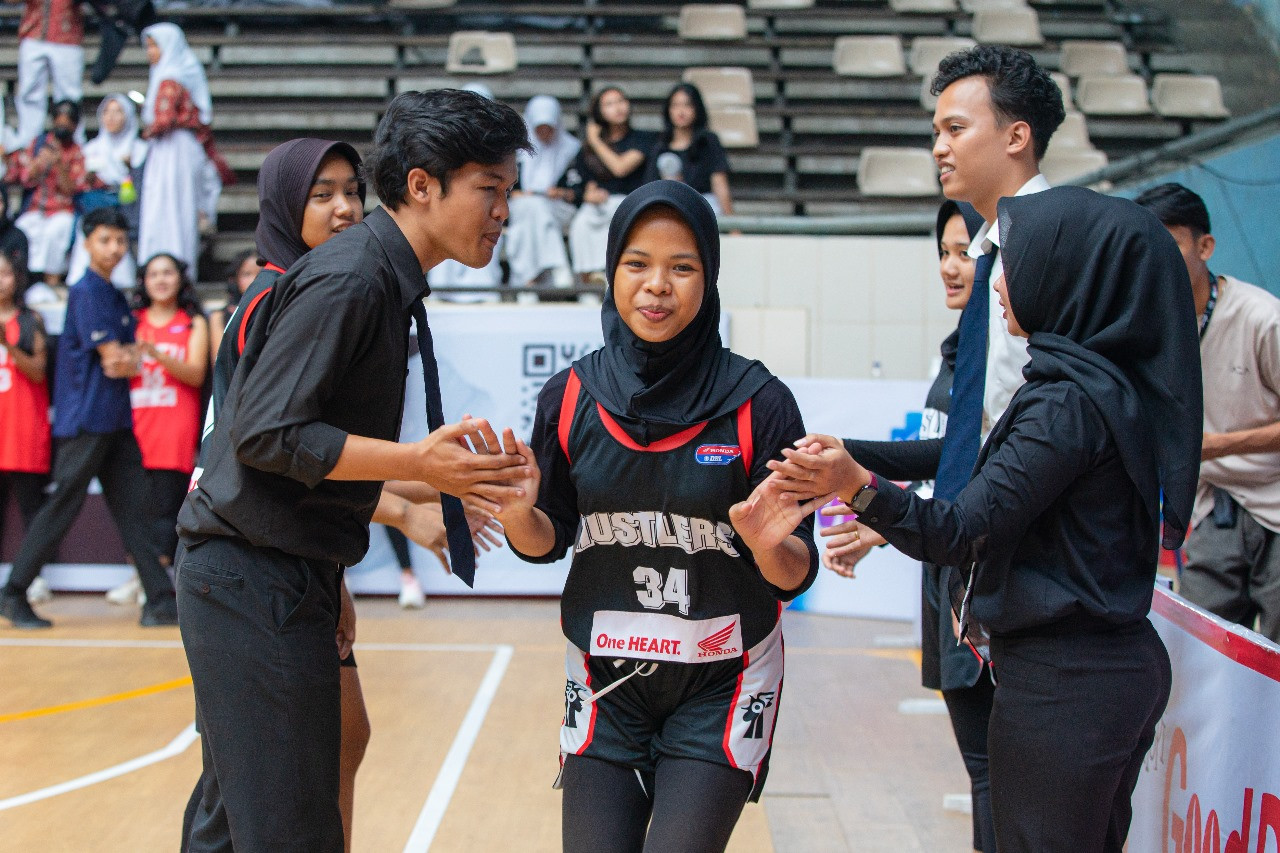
(1062, 535)
(331, 362)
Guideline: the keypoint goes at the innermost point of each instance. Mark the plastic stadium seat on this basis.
(897, 172)
(869, 56)
(722, 87)
(479, 52)
(736, 126)
(1112, 95)
(1073, 133)
(1188, 96)
(923, 7)
(972, 6)
(1064, 83)
(1007, 25)
(928, 51)
(1063, 164)
(928, 100)
(1093, 57)
(779, 4)
(712, 22)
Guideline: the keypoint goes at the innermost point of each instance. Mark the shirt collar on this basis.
(988, 236)
(409, 277)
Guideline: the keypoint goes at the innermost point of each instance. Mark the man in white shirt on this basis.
(1233, 550)
(996, 112)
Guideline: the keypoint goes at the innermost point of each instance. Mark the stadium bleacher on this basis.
(276, 75)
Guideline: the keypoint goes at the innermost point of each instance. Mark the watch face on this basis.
(864, 497)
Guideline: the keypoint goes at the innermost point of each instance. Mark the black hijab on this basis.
(284, 182)
(972, 223)
(1103, 291)
(654, 390)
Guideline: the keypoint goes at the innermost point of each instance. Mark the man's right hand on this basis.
(483, 478)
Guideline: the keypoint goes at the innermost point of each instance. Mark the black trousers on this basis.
(1073, 718)
(168, 490)
(115, 460)
(970, 711)
(258, 627)
(27, 490)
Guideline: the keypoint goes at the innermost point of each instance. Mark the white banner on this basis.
(1211, 782)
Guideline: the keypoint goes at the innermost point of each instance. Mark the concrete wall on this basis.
(833, 306)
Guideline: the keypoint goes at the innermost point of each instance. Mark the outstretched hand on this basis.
(847, 542)
(818, 466)
(467, 460)
(766, 517)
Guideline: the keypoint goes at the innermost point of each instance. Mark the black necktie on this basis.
(462, 555)
(962, 441)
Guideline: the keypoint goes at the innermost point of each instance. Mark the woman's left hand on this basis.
(765, 518)
(819, 466)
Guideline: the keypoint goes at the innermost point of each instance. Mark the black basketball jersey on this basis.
(658, 572)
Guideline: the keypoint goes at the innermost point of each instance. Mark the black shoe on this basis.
(160, 613)
(17, 610)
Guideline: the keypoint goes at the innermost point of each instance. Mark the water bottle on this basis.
(876, 371)
(128, 192)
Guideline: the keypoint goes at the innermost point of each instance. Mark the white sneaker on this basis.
(39, 591)
(411, 595)
(127, 592)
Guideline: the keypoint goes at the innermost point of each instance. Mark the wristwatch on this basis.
(864, 496)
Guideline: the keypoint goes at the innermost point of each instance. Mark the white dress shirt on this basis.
(1006, 353)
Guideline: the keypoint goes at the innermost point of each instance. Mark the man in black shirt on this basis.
(295, 466)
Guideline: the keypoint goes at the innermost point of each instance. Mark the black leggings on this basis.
(970, 712)
(168, 491)
(399, 544)
(686, 806)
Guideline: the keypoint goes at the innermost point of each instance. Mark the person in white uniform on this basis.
(540, 209)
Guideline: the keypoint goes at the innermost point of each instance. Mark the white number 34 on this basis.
(656, 594)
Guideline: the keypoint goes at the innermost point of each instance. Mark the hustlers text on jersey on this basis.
(656, 530)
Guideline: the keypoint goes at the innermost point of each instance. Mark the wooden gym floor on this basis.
(465, 698)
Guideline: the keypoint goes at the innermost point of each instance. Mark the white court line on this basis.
(433, 810)
(175, 747)
(424, 831)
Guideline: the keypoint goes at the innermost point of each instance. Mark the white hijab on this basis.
(541, 169)
(177, 63)
(105, 154)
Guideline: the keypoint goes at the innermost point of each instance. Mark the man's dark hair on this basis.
(109, 216)
(1174, 205)
(1020, 89)
(65, 107)
(439, 131)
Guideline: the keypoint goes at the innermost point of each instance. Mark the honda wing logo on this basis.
(714, 646)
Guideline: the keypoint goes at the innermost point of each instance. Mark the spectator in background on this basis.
(94, 428)
(52, 171)
(50, 51)
(110, 157)
(184, 173)
(451, 273)
(241, 272)
(24, 402)
(703, 163)
(541, 208)
(1233, 550)
(608, 167)
(173, 337)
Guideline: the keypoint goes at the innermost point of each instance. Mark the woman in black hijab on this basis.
(1060, 520)
(945, 665)
(649, 455)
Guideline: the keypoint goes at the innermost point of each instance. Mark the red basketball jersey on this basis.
(166, 412)
(24, 413)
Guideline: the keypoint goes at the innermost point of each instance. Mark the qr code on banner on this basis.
(541, 362)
